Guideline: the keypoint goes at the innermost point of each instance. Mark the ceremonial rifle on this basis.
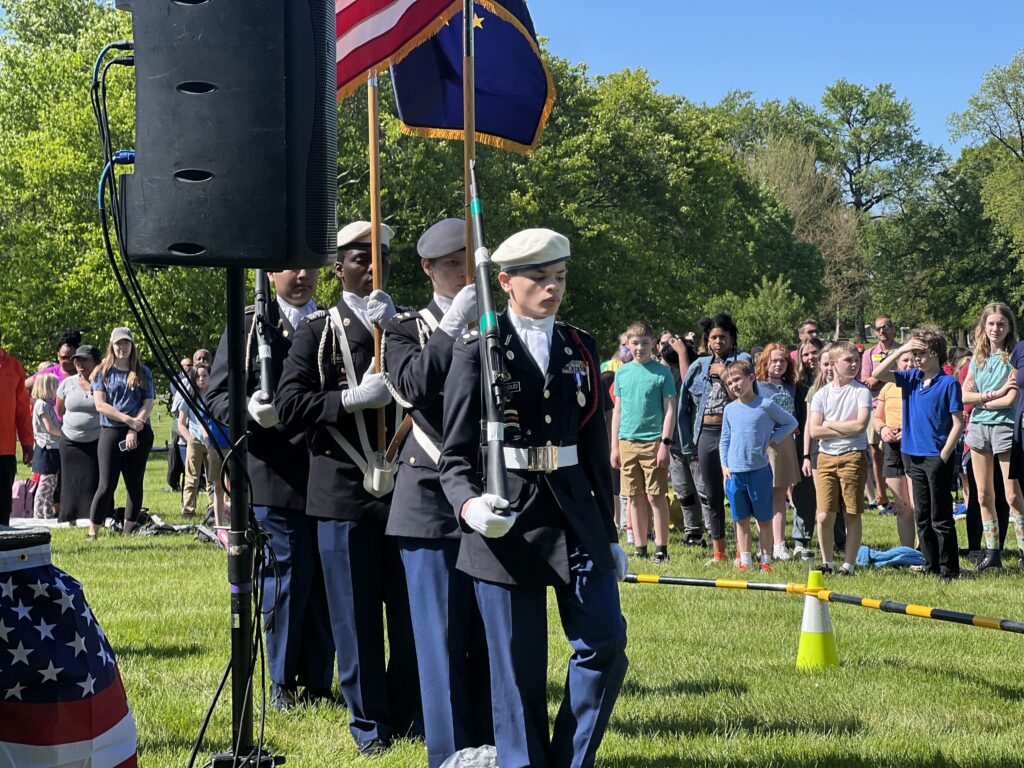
(495, 379)
(262, 321)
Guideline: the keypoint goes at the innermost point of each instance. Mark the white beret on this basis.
(531, 248)
(359, 232)
(447, 236)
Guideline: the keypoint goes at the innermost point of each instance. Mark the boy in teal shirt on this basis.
(643, 423)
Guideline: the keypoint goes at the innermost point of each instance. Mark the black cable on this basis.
(140, 308)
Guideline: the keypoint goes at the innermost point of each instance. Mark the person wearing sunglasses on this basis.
(871, 359)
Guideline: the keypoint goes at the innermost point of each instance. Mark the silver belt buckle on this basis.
(542, 458)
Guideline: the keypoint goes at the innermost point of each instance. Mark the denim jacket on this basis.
(693, 397)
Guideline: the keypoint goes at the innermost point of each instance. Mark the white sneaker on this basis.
(800, 552)
(781, 553)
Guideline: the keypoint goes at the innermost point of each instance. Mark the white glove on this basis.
(372, 393)
(462, 310)
(621, 561)
(380, 308)
(262, 412)
(480, 516)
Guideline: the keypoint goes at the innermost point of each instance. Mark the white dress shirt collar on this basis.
(536, 334)
(358, 306)
(296, 314)
(443, 302)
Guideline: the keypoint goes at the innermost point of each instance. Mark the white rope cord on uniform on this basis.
(328, 329)
(384, 374)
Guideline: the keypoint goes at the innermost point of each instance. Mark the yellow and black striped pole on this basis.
(920, 611)
(681, 581)
(886, 606)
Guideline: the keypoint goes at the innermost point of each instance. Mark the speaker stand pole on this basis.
(240, 546)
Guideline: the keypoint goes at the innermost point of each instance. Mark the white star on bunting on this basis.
(39, 589)
(51, 672)
(7, 589)
(15, 692)
(88, 685)
(78, 644)
(4, 630)
(66, 603)
(20, 654)
(45, 630)
(22, 611)
(87, 615)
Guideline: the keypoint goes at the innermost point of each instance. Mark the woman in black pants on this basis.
(80, 433)
(702, 400)
(124, 394)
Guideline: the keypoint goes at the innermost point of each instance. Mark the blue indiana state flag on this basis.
(514, 89)
(62, 704)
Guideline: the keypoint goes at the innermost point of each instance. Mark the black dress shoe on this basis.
(283, 697)
(372, 747)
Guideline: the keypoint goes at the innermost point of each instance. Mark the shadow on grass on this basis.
(1013, 693)
(684, 688)
(159, 651)
(681, 725)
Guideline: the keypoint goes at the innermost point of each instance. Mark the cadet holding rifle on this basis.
(555, 526)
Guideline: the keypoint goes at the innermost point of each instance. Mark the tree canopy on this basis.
(772, 210)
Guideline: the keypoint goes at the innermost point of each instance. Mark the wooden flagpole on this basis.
(468, 124)
(373, 113)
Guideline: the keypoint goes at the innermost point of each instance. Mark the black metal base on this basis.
(260, 760)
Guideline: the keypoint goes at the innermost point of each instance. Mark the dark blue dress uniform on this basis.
(300, 649)
(451, 649)
(362, 570)
(561, 538)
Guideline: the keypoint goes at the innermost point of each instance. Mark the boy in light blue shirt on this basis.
(750, 423)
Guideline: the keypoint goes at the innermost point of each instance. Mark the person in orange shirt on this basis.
(15, 427)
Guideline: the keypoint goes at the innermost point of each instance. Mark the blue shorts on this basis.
(751, 493)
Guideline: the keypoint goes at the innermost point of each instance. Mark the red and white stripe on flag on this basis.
(373, 34)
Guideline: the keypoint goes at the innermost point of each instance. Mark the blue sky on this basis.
(933, 53)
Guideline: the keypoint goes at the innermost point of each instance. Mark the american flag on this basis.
(372, 34)
(62, 704)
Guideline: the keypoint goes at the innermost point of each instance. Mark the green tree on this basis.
(771, 312)
(56, 270)
(995, 117)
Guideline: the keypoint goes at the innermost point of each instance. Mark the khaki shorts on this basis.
(841, 481)
(640, 472)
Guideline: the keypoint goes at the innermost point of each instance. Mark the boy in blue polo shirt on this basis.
(933, 419)
(749, 423)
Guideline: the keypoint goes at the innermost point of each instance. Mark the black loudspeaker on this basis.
(236, 134)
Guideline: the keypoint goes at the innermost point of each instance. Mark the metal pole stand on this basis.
(240, 546)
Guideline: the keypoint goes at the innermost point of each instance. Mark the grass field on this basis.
(712, 677)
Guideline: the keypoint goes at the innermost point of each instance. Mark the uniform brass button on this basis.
(547, 393)
(412, 459)
(548, 443)
(568, 350)
(547, 419)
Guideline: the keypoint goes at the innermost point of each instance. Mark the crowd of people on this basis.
(367, 475)
(83, 425)
(827, 430)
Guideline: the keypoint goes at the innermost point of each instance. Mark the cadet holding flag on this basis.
(328, 387)
(450, 646)
(554, 529)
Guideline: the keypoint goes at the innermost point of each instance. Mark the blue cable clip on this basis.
(124, 157)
